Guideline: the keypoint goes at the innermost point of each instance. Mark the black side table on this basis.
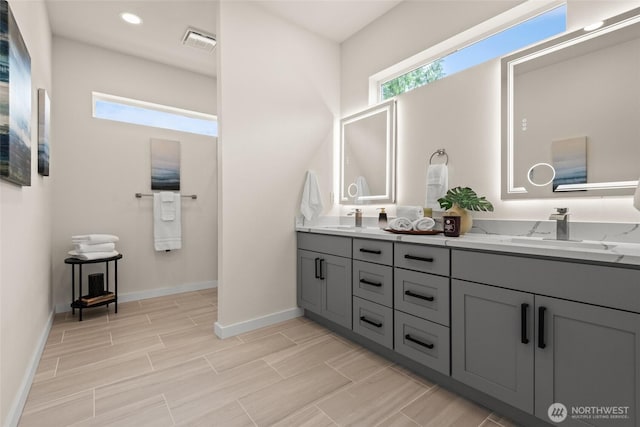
(78, 303)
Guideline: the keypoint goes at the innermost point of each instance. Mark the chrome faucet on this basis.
(562, 224)
(358, 215)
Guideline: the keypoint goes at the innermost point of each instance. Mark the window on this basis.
(528, 32)
(127, 110)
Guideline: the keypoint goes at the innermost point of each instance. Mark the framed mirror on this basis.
(368, 155)
(571, 114)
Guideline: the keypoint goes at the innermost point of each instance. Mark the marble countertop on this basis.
(619, 253)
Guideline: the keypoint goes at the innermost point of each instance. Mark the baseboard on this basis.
(13, 417)
(152, 293)
(226, 331)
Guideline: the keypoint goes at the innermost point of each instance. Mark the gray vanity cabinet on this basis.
(587, 356)
(324, 276)
(492, 345)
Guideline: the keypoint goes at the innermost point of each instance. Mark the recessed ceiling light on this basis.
(131, 18)
(593, 26)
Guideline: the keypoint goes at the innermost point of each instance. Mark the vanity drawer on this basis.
(373, 282)
(425, 342)
(373, 251)
(428, 259)
(423, 295)
(373, 321)
(333, 245)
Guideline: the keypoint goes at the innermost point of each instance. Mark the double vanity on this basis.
(514, 323)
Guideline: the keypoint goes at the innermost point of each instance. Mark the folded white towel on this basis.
(437, 185)
(423, 224)
(636, 198)
(167, 206)
(167, 234)
(93, 255)
(94, 238)
(410, 212)
(98, 247)
(400, 224)
(311, 205)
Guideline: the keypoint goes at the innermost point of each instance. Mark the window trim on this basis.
(501, 22)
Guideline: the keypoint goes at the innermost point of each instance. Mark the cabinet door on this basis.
(591, 358)
(492, 341)
(309, 282)
(336, 298)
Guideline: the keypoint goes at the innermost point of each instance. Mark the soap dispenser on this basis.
(382, 219)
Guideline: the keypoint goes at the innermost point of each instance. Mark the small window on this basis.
(132, 111)
(528, 32)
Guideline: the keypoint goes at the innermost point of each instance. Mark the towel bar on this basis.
(191, 196)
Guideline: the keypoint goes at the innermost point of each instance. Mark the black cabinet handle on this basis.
(371, 251)
(316, 271)
(414, 295)
(371, 322)
(367, 282)
(412, 339)
(523, 323)
(541, 311)
(321, 269)
(418, 258)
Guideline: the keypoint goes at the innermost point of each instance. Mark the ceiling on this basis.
(159, 37)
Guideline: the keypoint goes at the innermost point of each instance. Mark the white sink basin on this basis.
(347, 227)
(568, 244)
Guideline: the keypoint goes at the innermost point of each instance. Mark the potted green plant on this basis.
(459, 199)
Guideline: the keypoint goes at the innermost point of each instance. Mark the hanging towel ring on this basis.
(439, 152)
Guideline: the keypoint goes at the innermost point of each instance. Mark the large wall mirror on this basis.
(367, 156)
(571, 114)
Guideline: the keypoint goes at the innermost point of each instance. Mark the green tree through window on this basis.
(413, 79)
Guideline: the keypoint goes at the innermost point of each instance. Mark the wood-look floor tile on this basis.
(61, 412)
(489, 423)
(295, 360)
(308, 417)
(231, 415)
(372, 399)
(171, 356)
(72, 361)
(269, 330)
(206, 319)
(187, 336)
(151, 412)
(55, 337)
(358, 364)
(106, 372)
(439, 407)
(305, 332)
(87, 322)
(46, 369)
(502, 421)
(211, 292)
(73, 346)
(129, 333)
(398, 420)
(225, 388)
(248, 352)
(272, 404)
(421, 380)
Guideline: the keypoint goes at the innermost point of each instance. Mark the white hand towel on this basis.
(363, 190)
(400, 224)
(311, 205)
(98, 247)
(93, 255)
(94, 238)
(167, 206)
(437, 185)
(410, 212)
(167, 234)
(423, 224)
(636, 198)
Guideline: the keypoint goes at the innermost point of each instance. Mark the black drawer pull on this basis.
(321, 269)
(371, 322)
(414, 295)
(541, 311)
(523, 323)
(317, 275)
(418, 258)
(366, 282)
(371, 251)
(412, 339)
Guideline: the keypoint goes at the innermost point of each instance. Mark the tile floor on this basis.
(158, 363)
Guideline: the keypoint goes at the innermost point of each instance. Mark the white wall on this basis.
(278, 101)
(462, 112)
(100, 164)
(25, 236)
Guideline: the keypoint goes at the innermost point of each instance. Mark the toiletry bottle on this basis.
(358, 217)
(382, 219)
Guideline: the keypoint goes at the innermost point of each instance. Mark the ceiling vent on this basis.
(199, 39)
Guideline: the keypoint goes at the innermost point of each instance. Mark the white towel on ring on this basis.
(311, 205)
(437, 185)
(400, 224)
(423, 224)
